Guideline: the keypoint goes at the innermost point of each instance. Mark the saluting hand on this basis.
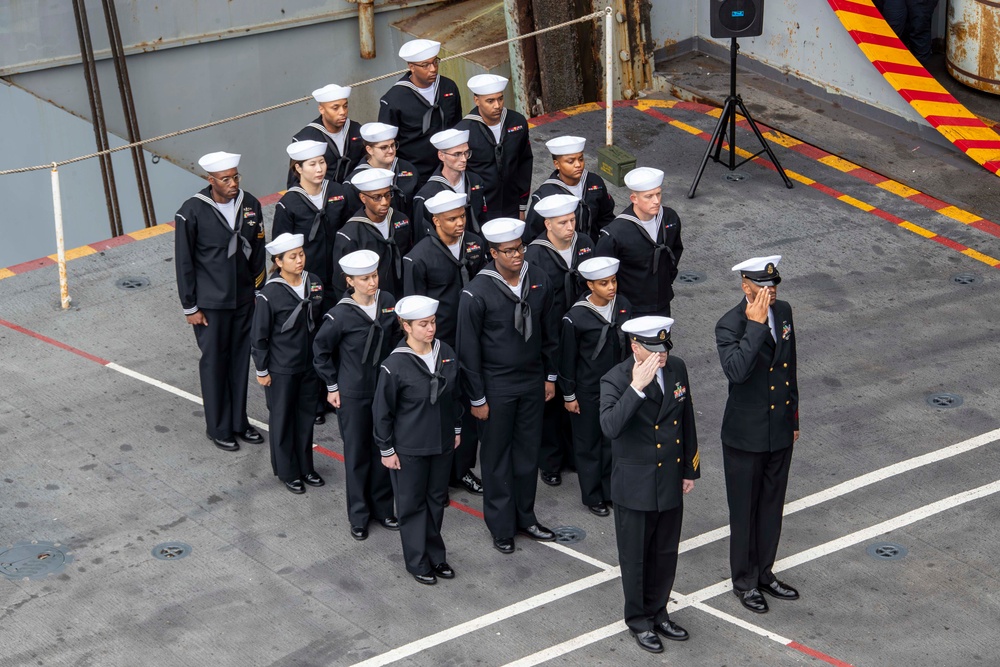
(644, 372)
(757, 309)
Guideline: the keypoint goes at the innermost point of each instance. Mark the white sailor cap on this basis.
(369, 180)
(359, 262)
(219, 161)
(416, 307)
(597, 268)
(565, 145)
(306, 150)
(449, 139)
(376, 132)
(446, 200)
(332, 93)
(554, 206)
(487, 84)
(419, 50)
(650, 331)
(500, 230)
(761, 270)
(643, 179)
(284, 243)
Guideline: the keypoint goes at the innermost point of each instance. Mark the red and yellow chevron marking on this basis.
(887, 53)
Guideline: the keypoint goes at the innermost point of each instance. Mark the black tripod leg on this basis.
(763, 142)
(714, 144)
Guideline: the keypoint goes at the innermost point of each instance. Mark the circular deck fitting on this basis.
(33, 560)
(735, 176)
(691, 277)
(966, 279)
(569, 534)
(944, 400)
(886, 551)
(132, 283)
(171, 550)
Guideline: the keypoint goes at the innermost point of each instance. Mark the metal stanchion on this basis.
(64, 299)
(608, 76)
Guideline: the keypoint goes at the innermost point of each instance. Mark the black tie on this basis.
(303, 303)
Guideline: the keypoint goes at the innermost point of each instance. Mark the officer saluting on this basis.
(646, 238)
(335, 130)
(219, 256)
(757, 349)
(646, 411)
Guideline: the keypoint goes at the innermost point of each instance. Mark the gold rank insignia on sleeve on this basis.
(696, 460)
(260, 279)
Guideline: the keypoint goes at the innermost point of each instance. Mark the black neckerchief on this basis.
(318, 213)
(438, 381)
(300, 303)
(425, 122)
(462, 261)
(488, 133)
(397, 258)
(658, 245)
(374, 330)
(439, 178)
(606, 328)
(522, 309)
(569, 272)
(234, 230)
(342, 159)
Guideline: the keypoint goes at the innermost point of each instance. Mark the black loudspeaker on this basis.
(737, 18)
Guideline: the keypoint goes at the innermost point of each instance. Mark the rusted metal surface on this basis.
(64, 300)
(366, 28)
(974, 43)
(634, 46)
(558, 55)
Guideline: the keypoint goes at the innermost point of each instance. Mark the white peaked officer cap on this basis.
(597, 268)
(449, 139)
(446, 200)
(306, 150)
(359, 262)
(369, 180)
(219, 161)
(332, 93)
(500, 230)
(565, 145)
(419, 50)
(284, 243)
(643, 179)
(650, 331)
(761, 270)
(375, 132)
(555, 205)
(487, 84)
(416, 307)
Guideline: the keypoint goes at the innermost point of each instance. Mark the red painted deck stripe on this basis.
(855, 8)
(468, 510)
(818, 655)
(329, 452)
(868, 176)
(24, 267)
(879, 40)
(928, 201)
(52, 341)
(888, 67)
(112, 243)
(911, 95)
(957, 121)
(969, 144)
(270, 199)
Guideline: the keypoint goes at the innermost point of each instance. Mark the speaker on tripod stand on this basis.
(733, 19)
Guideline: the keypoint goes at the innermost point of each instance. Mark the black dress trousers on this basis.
(555, 453)
(369, 490)
(290, 401)
(592, 451)
(224, 368)
(464, 458)
(509, 461)
(647, 555)
(421, 487)
(755, 487)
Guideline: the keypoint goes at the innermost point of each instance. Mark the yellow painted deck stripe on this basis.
(916, 229)
(582, 108)
(690, 129)
(898, 188)
(75, 253)
(6, 273)
(958, 214)
(796, 176)
(925, 108)
(782, 139)
(856, 203)
(863, 23)
(839, 164)
(149, 232)
(643, 105)
(985, 259)
(887, 54)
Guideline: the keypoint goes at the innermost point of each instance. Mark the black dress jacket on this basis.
(284, 326)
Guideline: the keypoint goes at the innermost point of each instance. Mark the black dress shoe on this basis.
(471, 483)
(504, 545)
(538, 532)
(320, 419)
(752, 600)
(648, 641)
(251, 435)
(225, 444)
(313, 479)
(390, 523)
(427, 579)
(295, 486)
(779, 590)
(551, 478)
(359, 533)
(670, 630)
(600, 509)
(444, 571)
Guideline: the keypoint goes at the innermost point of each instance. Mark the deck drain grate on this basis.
(132, 283)
(886, 551)
(691, 277)
(944, 400)
(33, 560)
(966, 279)
(569, 534)
(171, 550)
(735, 176)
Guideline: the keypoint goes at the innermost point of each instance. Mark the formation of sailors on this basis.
(422, 291)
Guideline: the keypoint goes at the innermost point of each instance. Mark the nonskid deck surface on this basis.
(104, 451)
